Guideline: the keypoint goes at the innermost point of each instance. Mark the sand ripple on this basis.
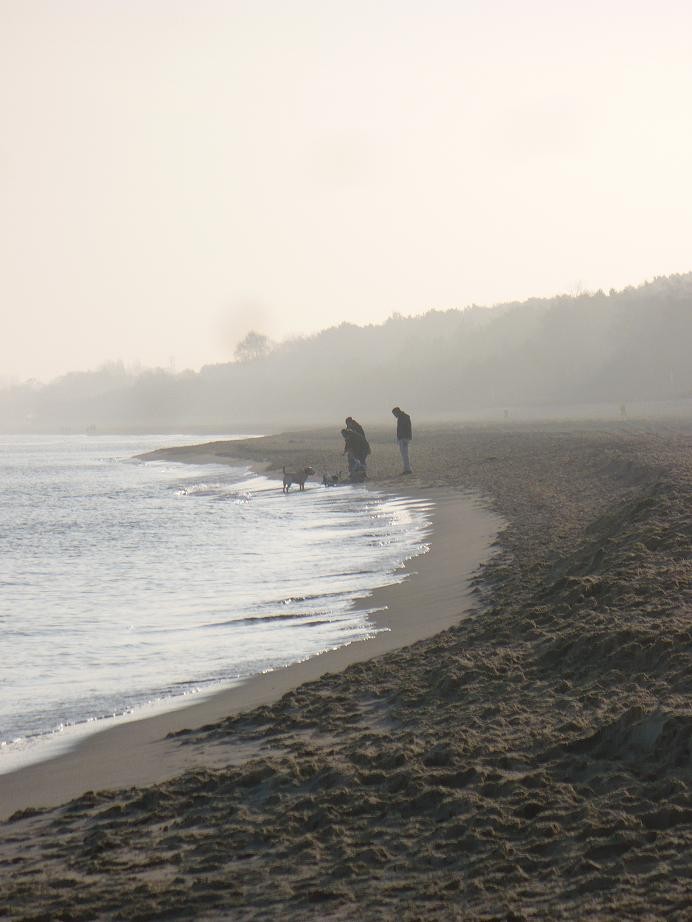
(532, 763)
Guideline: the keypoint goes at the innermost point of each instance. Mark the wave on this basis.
(267, 619)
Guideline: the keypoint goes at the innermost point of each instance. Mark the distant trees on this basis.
(626, 346)
(253, 346)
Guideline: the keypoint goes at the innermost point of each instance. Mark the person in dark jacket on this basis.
(357, 448)
(404, 435)
(356, 426)
(353, 426)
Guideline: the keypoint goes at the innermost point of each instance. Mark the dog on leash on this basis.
(331, 480)
(299, 477)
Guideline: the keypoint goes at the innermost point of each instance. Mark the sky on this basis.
(175, 173)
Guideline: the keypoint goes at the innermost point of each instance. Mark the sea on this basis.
(128, 587)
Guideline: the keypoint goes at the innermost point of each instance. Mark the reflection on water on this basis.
(126, 582)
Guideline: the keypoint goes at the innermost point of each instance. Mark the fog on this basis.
(174, 174)
(617, 354)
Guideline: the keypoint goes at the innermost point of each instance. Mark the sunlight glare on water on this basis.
(125, 582)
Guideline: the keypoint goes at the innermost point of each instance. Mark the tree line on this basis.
(618, 346)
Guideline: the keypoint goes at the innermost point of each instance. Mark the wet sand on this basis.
(434, 595)
(532, 761)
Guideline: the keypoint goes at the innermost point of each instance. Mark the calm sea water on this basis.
(124, 583)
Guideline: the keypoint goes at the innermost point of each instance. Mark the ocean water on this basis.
(127, 584)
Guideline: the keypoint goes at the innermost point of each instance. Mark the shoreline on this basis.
(531, 762)
(434, 595)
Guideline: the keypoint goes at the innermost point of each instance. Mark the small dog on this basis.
(298, 477)
(331, 480)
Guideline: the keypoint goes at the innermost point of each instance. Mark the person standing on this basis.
(404, 435)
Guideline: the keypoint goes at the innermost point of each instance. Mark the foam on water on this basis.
(127, 585)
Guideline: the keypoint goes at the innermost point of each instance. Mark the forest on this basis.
(616, 348)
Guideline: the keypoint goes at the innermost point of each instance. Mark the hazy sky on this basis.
(176, 172)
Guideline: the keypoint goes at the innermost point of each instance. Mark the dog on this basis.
(298, 477)
(331, 480)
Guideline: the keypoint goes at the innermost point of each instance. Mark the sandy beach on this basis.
(435, 594)
(521, 750)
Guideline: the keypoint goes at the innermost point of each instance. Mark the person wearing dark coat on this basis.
(404, 435)
(356, 426)
(357, 448)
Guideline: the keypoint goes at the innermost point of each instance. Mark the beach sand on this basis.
(434, 595)
(532, 761)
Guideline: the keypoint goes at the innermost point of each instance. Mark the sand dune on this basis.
(534, 761)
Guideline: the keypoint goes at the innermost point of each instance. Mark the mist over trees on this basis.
(253, 346)
(591, 348)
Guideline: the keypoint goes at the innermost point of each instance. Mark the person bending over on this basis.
(351, 423)
(357, 449)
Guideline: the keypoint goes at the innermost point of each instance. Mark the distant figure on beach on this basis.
(404, 435)
(357, 449)
(355, 426)
(623, 411)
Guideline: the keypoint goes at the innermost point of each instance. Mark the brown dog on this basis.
(298, 477)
